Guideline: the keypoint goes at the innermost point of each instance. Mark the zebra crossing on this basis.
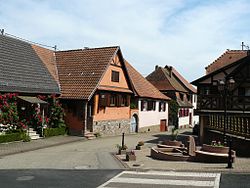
(162, 179)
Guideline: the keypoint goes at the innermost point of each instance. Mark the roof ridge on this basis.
(87, 48)
(228, 51)
(184, 81)
(27, 41)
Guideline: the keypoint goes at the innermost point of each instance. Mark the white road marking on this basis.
(134, 180)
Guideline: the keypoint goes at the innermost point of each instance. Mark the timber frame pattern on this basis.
(211, 103)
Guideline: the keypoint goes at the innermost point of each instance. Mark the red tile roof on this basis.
(228, 57)
(168, 79)
(48, 58)
(184, 81)
(142, 87)
(80, 71)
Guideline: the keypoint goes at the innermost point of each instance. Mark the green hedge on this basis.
(54, 131)
(11, 137)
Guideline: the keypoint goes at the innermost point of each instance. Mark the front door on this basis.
(133, 125)
(163, 125)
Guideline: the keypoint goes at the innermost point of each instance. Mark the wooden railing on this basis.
(216, 102)
(239, 126)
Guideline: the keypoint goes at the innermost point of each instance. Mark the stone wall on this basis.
(112, 127)
(239, 144)
(152, 128)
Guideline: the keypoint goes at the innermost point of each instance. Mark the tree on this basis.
(173, 112)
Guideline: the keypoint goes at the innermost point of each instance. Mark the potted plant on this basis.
(121, 149)
(139, 145)
(130, 156)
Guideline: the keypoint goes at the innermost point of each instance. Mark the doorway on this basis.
(163, 125)
(134, 124)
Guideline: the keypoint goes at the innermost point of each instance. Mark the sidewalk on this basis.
(19, 147)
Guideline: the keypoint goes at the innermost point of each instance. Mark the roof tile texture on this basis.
(80, 71)
(169, 79)
(143, 87)
(22, 70)
(225, 59)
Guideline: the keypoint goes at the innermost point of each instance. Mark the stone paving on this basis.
(143, 162)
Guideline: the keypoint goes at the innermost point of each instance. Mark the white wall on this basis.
(183, 121)
(195, 118)
(149, 118)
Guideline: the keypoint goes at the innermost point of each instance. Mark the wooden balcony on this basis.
(235, 125)
(216, 102)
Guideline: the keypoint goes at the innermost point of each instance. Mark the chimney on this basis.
(170, 71)
(156, 67)
(2, 31)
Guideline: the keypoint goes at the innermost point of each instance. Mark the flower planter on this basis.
(130, 157)
(122, 152)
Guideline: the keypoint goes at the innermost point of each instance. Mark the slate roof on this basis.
(142, 87)
(168, 79)
(80, 71)
(22, 70)
(227, 58)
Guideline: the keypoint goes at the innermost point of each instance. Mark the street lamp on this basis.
(226, 86)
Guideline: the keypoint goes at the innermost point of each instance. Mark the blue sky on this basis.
(187, 34)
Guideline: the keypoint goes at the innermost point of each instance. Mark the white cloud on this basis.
(186, 34)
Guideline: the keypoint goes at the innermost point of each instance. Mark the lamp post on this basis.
(226, 86)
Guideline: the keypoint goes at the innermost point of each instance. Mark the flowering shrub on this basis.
(11, 120)
(55, 111)
(216, 143)
(8, 109)
(7, 128)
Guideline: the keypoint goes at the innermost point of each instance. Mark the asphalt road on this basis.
(235, 181)
(87, 179)
(54, 178)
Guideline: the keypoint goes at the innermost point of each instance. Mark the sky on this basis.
(186, 34)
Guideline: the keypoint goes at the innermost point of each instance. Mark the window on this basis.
(188, 97)
(123, 99)
(113, 100)
(181, 96)
(162, 106)
(183, 112)
(151, 105)
(144, 105)
(102, 100)
(115, 76)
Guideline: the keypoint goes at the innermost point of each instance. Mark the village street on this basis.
(89, 163)
(85, 154)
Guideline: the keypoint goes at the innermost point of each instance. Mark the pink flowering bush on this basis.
(8, 108)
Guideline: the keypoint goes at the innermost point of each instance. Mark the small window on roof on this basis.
(115, 76)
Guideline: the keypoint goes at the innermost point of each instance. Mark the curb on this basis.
(120, 161)
(41, 147)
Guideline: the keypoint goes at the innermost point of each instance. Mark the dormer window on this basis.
(115, 76)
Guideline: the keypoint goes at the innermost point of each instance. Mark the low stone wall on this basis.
(153, 128)
(112, 127)
(240, 145)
